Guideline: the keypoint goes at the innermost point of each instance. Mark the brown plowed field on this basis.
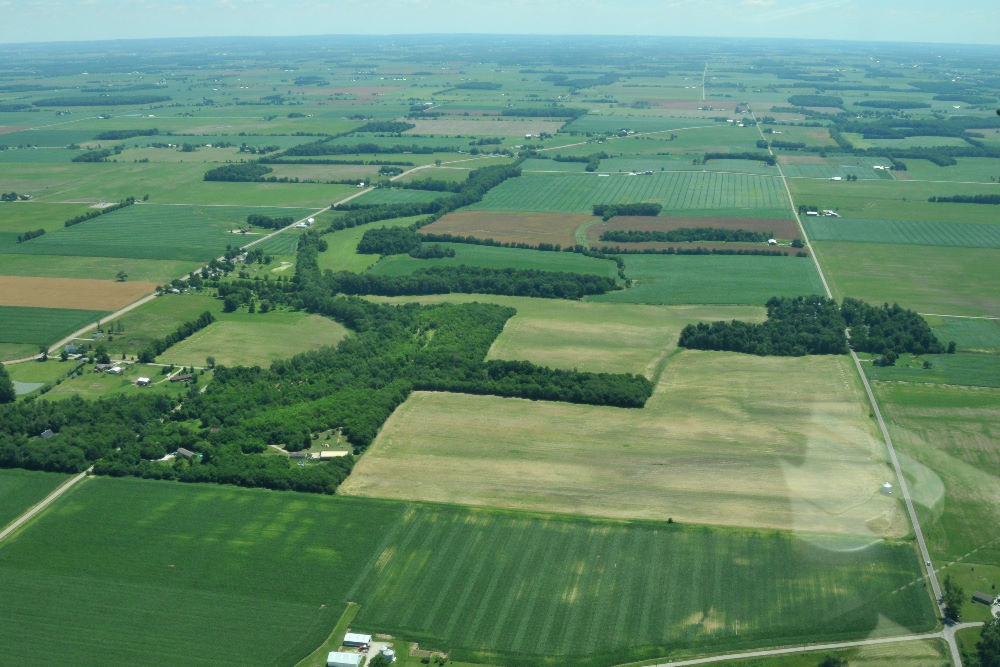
(73, 293)
(782, 229)
(531, 228)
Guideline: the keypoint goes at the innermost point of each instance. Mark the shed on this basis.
(354, 639)
(183, 377)
(339, 659)
(115, 370)
(772, 242)
(334, 455)
(186, 453)
(887, 488)
(46, 434)
(143, 381)
(985, 598)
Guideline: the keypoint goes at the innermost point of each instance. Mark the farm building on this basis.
(985, 598)
(143, 381)
(183, 377)
(331, 455)
(298, 455)
(186, 453)
(46, 434)
(115, 370)
(887, 489)
(354, 639)
(338, 659)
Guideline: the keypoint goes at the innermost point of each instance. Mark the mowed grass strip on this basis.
(946, 281)
(21, 489)
(534, 590)
(492, 257)
(725, 439)
(908, 232)
(242, 339)
(122, 569)
(511, 226)
(735, 279)
(577, 193)
(145, 231)
(588, 336)
(42, 326)
(76, 293)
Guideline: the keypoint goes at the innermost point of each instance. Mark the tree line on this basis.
(27, 236)
(746, 155)
(238, 172)
(608, 211)
(160, 345)
(684, 235)
(94, 213)
(967, 199)
(267, 222)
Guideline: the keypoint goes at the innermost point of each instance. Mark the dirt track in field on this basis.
(74, 293)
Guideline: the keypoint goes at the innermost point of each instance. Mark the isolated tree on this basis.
(43, 353)
(988, 647)
(833, 661)
(63, 355)
(7, 393)
(953, 596)
(210, 362)
(121, 276)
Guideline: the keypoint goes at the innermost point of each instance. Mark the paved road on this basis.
(21, 520)
(900, 478)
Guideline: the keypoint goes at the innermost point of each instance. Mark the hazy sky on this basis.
(958, 21)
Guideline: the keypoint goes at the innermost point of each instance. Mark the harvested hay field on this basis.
(70, 293)
(512, 226)
(492, 127)
(726, 439)
(781, 228)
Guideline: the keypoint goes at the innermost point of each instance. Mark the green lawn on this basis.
(128, 568)
(242, 339)
(577, 193)
(42, 326)
(21, 489)
(187, 233)
(499, 258)
(937, 280)
(674, 279)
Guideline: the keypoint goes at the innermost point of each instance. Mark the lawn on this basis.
(948, 437)
(127, 568)
(725, 439)
(674, 279)
(907, 232)
(937, 280)
(42, 326)
(31, 376)
(242, 339)
(588, 336)
(21, 489)
(498, 258)
(577, 193)
(188, 233)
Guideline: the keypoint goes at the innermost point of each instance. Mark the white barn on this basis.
(354, 639)
(338, 659)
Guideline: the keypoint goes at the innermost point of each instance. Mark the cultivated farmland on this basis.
(80, 294)
(512, 226)
(785, 228)
(577, 193)
(20, 489)
(19, 324)
(500, 258)
(766, 463)
(909, 232)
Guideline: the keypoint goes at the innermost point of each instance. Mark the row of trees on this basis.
(746, 155)
(993, 200)
(267, 222)
(685, 235)
(238, 172)
(160, 345)
(93, 213)
(27, 236)
(608, 211)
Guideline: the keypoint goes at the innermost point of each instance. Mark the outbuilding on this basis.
(985, 598)
(355, 640)
(340, 659)
(143, 381)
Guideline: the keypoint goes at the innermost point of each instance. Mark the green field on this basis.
(384, 196)
(948, 437)
(42, 326)
(908, 232)
(21, 489)
(788, 439)
(498, 258)
(673, 279)
(920, 653)
(242, 339)
(969, 334)
(31, 376)
(577, 193)
(539, 591)
(964, 368)
(936, 280)
(589, 336)
(271, 572)
(156, 319)
(612, 123)
(341, 253)
(188, 233)
(101, 268)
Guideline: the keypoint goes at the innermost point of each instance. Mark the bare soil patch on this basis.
(801, 159)
(7, 129)
(782, 228)
(71, 293)
(531, 228)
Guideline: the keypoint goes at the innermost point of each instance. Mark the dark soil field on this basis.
(781, 228)
(531, 228)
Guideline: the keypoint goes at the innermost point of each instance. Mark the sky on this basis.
(959, 21)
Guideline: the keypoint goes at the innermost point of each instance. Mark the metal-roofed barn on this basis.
(339, 659)
(355, 639)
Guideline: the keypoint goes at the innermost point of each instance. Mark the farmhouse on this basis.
(985, 598)
(338, 659)
(354, 639)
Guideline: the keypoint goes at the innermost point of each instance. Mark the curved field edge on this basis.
(159, 562)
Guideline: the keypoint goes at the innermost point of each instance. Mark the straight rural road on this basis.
(900, 478)
(24, 518)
